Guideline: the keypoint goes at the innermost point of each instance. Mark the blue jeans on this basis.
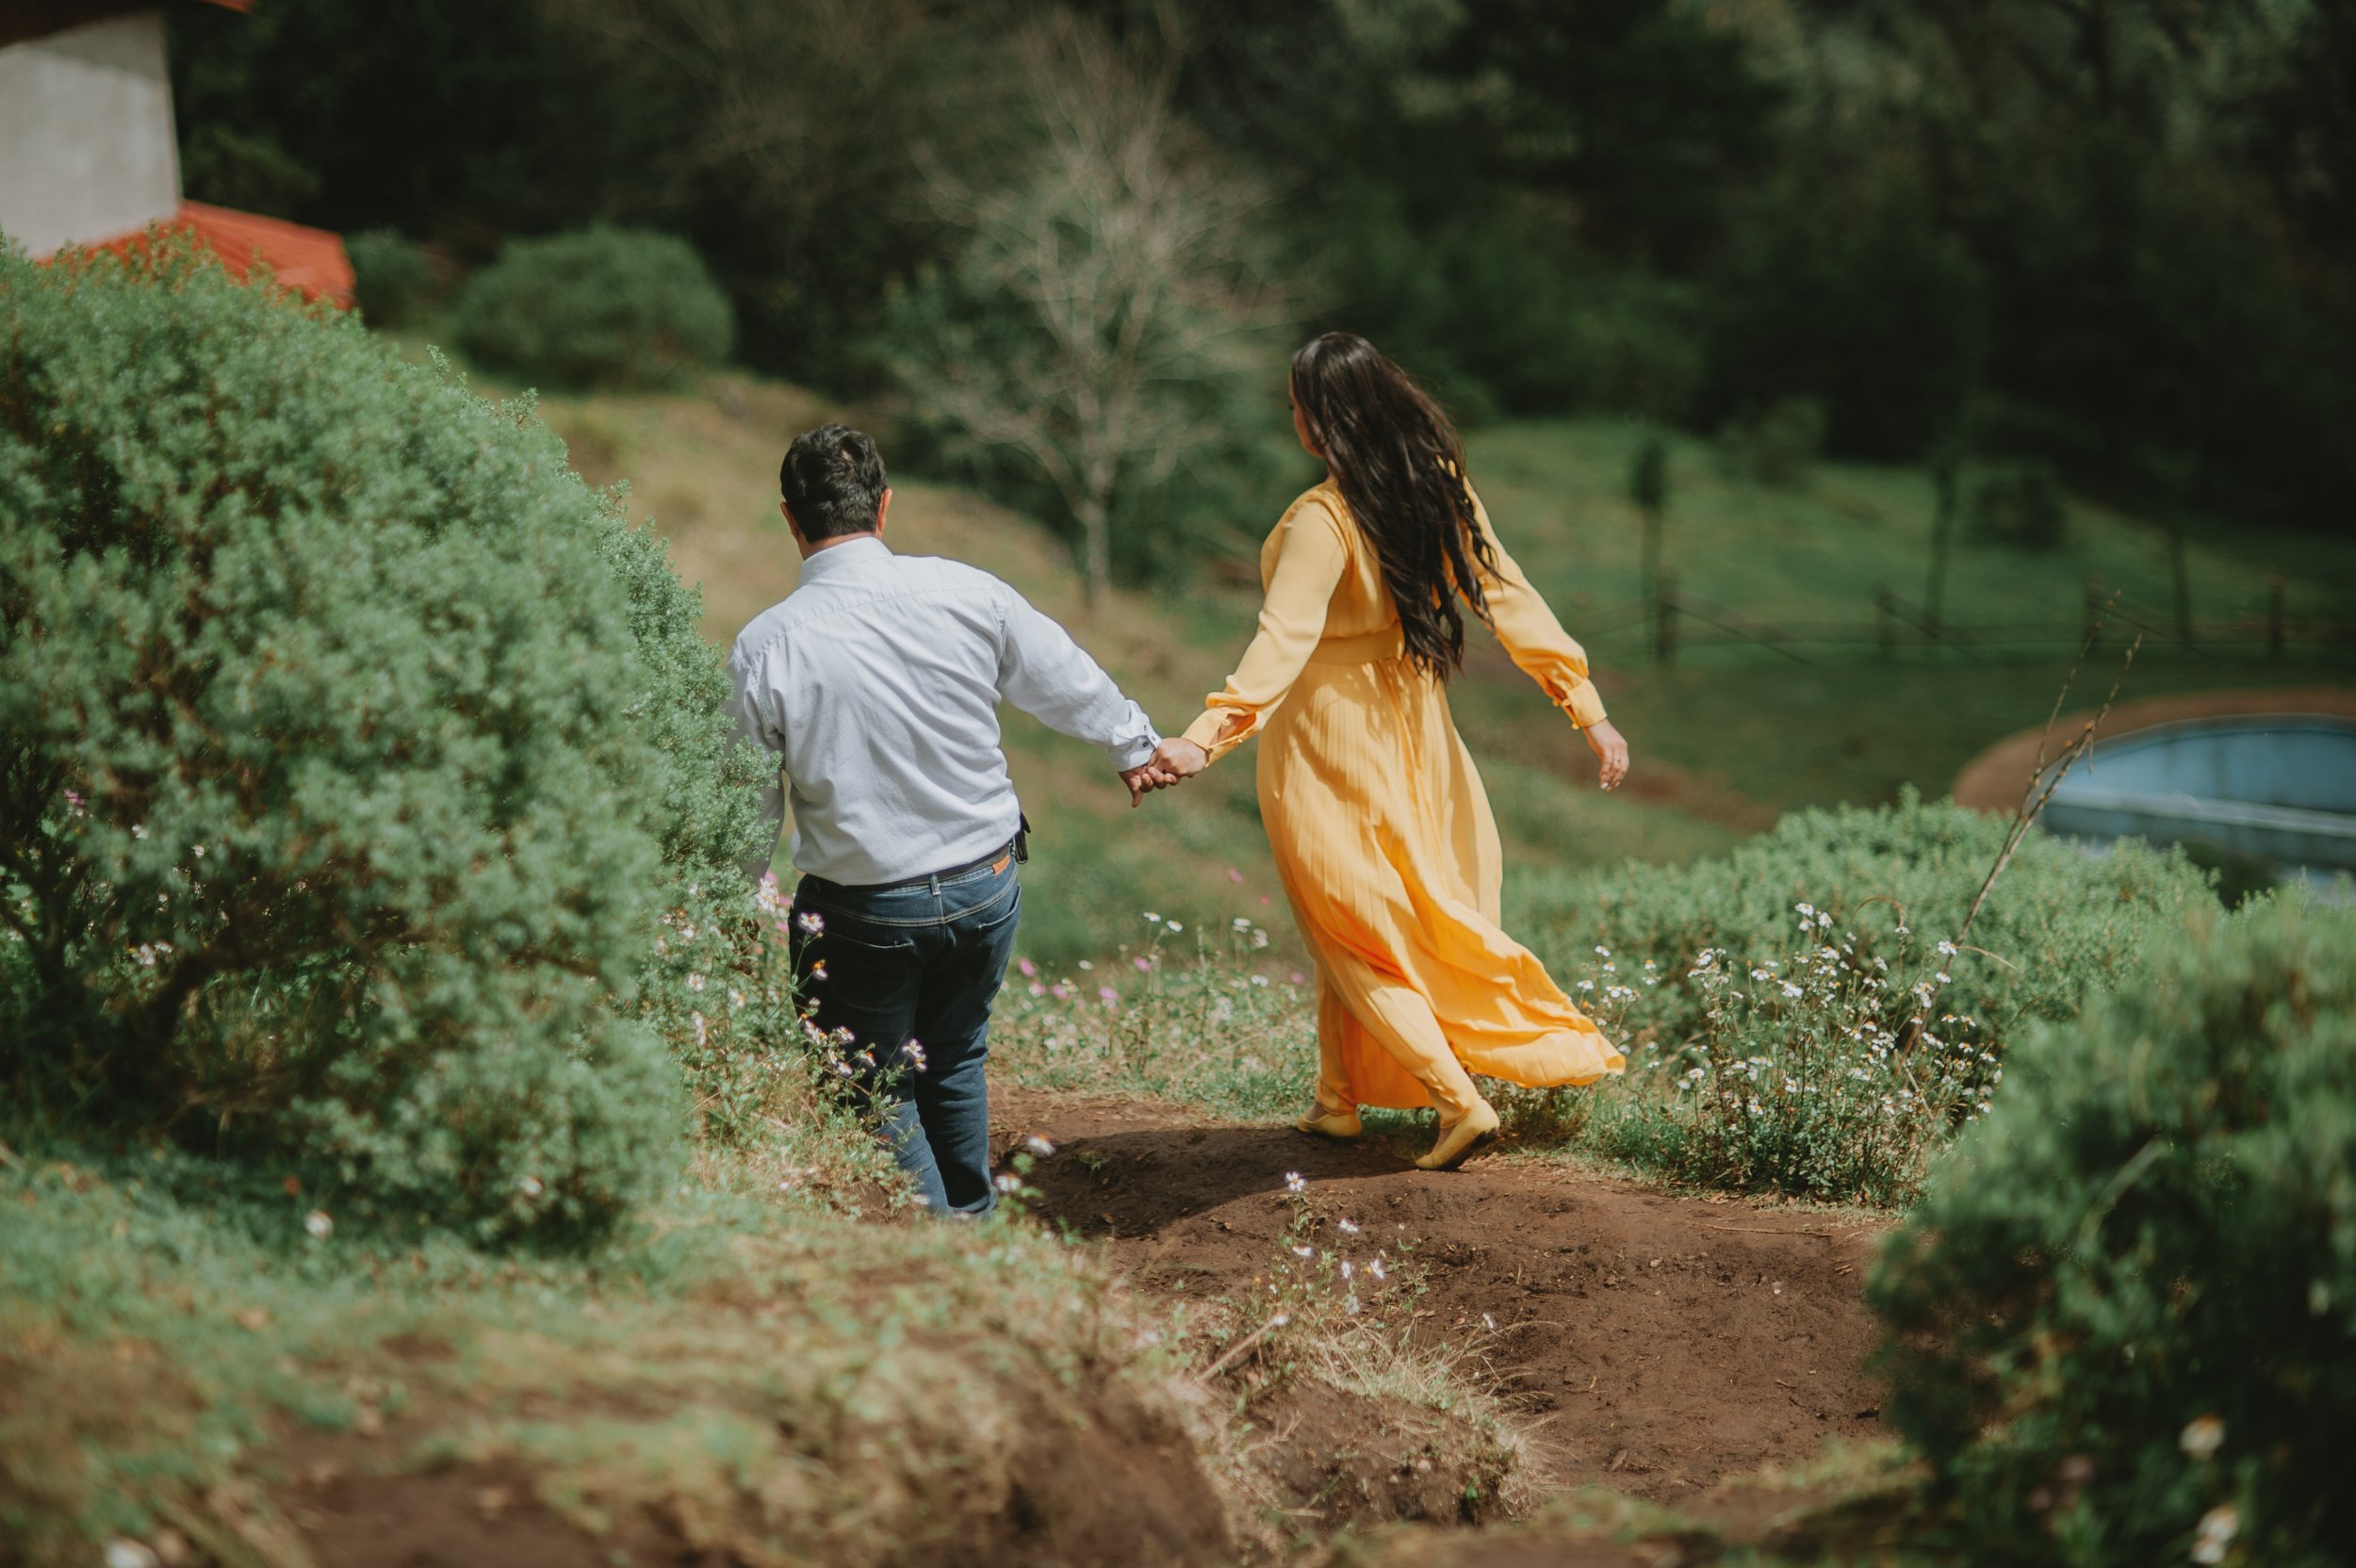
(921, 961)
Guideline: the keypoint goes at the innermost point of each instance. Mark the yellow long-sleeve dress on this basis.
(1383, 833)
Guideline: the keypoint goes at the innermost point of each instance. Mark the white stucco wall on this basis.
(87, 149)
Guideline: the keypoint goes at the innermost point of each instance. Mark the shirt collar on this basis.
(842, 558)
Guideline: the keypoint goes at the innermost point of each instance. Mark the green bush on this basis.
(2123, 1324)
(355, 754)
(389, 277)
(2021, 503)
(602, 308)
(2059, 926)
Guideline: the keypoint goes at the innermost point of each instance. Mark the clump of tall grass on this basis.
(1182, 1013)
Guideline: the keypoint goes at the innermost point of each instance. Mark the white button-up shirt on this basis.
(878, 682)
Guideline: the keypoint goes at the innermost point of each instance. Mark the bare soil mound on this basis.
(1658, 1344)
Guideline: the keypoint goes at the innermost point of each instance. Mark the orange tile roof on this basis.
(309, 261)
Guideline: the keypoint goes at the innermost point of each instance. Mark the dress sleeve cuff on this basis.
(1208, 731)
(1583, 703)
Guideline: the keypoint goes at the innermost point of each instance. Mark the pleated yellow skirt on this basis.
(1389, 855)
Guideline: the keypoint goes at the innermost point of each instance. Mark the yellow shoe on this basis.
(1331, 1124)
(1472, 1130)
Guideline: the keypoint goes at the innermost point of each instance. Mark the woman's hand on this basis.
(1182, 758)
(1610, 751)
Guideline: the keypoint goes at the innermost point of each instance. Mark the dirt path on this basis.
(1658, 1344)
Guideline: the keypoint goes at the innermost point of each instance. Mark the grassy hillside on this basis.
(1724, 741)
(702, 469)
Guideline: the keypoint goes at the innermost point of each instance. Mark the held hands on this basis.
(1610, 751)
(1175, 762)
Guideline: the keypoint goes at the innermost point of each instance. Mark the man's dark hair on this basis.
(833, 480)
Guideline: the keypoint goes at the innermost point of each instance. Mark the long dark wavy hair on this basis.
(1400, 467)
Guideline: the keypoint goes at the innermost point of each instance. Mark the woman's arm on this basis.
(1546, 653)
(1311, 558)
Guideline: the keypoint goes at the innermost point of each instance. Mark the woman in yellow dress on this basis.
(1382, 831)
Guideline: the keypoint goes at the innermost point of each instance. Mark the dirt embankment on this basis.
(1655, 1343)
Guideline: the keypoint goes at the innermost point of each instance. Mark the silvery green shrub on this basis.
(598, 307)
(2059, 926)
(351, 752)
(2123, 1324)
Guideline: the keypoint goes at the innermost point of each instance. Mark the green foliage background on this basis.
(2109, 236)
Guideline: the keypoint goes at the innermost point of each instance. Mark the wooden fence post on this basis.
(2183, 578)
(2274, 615)
(1665, 645)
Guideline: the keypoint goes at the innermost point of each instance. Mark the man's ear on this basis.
(881, 507)
(795, 529)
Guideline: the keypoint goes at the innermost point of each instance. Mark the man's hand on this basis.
(1610, 753)
(1145, 778)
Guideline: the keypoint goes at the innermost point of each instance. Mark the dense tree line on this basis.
(2117, 234)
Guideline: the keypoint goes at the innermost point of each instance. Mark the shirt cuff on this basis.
(1137, 745)
(1583, 703)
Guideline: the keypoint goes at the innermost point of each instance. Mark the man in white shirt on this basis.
(876, 682)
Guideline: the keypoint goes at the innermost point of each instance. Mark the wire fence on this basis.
(1673, 620)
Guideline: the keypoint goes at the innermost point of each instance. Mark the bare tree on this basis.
(1113, 291)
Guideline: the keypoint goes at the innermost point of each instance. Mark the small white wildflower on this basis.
(1489, 1323)
(1349, 1268)
(1790, 989)
(1947, 949)
(1174, 927)
(318, 1223)
(1376, 1268)
(1259, 979)
(1009, 1181)
(124, 1552)
(914, 1051)
(1039, 1146)
(1347, 1227)
(531, 1187)
(1279, 1320)
(1305, 1252)
(695, 982)
(139, 830)
(2203, 1436)
(200, 851)
(810, 923)
(1153, 919)
(2216, 1531)
(1295, 1182)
